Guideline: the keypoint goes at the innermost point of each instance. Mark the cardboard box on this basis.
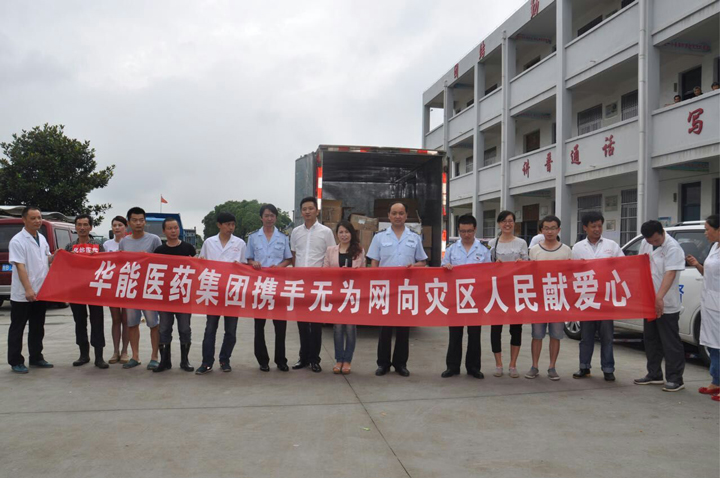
(364, 223)
(427, 236)
(382, 206)
(331, 211)
(333, 227)
(415, 227)
(366, 238)
(428, 251)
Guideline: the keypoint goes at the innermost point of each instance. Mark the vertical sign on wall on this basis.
(455, 70)
(534, 8)
(482, 50)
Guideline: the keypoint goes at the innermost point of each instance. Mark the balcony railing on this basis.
(462, 122)
(434, 139)
(490, 106)
(489, 179)
(533, 167)
(462, 189)
(604, 41)
(534, 81)
(603, 148)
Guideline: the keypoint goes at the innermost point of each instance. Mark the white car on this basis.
(691, 237)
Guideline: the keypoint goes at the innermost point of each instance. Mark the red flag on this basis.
(162, 200)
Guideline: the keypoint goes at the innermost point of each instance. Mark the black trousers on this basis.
(33, 314)
(662, 340)
(310, 341)
(97, 324)
(496, 333)
(454, 353)
(261, 352)
(402, 347)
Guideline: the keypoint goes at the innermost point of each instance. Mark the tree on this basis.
(45, 168)
(247, 214)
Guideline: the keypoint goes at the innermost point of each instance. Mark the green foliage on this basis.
(45, 168)
(247, 214)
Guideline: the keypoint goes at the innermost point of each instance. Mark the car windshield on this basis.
(694, 243)
(7, 231)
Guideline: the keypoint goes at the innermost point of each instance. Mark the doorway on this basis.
(531, 217)
(690, 202)
(689, 80)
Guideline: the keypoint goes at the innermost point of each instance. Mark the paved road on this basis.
(86, 422)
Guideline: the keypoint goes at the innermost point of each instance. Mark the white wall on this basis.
(585, 98)
(459, 156)
(526, 51)
(590, 10)
(525, 126)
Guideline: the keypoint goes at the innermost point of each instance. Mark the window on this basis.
(490, 156)
(590, 25)
(491, 89)
(690, 202)
(468, 164)
(532, 141)
(633, 249)
(488, 225)
(625, 3)
(7, 231)
(587, 204)
(553, 134)
(694, 243)
(469, 103)
(62, 238)
(531, 63)
(629, 105)
(628, 215)
(456, 169)
(589, 120)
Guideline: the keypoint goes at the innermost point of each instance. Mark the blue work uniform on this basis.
(269, 253)
(458, 256)
(391, 252)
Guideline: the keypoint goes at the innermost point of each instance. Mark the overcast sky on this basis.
(208, 101)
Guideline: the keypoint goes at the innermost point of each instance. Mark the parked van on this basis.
(58, 235)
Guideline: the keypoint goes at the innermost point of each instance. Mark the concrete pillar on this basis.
(648, 90)
(478, 137)
(425, 125)
(563, 128)
(507, 141)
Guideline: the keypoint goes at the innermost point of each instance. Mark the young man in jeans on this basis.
(223, 247)
(549, 249)
(662, 335)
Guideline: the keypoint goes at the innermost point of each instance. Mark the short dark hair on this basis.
(714, 83)
(119, 219)
(549, 218)
(398, 202)
(224, 217)
(268, 207)
(713, 221)
(84, 216)
(467, 219)
(592, 216)
(311, 199)
(697, 88)
(677, 96)
(649, 228)
(27, 209)
(135, 210)
(504, 214)
(169, 219)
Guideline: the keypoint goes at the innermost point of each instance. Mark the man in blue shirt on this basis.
(396, 246)
(268, 247)
(468, 250)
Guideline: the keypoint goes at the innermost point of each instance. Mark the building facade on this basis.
(569, 107)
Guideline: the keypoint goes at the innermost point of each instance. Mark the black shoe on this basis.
(449, 373)
(203, 369)
(476, 373)
(382, 371)
(264, 368)
(609, 376)
(316, 367)
(582, 373)
(646, 380)
(84, 355)
(283, 367)
(225, 367)
(184, 362)
(42, 364)
(673, 387)
(165, 364)
(300, 364)
(99, 362)
(402, 371)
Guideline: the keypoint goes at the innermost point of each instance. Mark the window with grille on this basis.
(629, 105)
(587, 204)
(628, 215)
(589, 120)
(468, 164)
(456, 169)
(490, 156)
(488, 225)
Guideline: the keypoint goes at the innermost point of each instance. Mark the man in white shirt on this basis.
(29, 256)
(662, 335)
(594, 246)
(308, 244)
(224, 247)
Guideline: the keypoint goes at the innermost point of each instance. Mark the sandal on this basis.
(115, 358)
(715, 398)
(346, 368)
(337, 368)
(124, 358)
(709, 391)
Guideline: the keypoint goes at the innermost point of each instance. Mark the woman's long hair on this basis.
(355, 248)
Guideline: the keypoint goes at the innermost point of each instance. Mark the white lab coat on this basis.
(710, 301)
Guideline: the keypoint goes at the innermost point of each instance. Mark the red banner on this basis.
(478, 294)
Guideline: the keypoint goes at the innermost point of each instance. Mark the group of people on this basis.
(697, 91)
(312, 244)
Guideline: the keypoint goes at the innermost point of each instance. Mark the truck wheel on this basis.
(702, 350)
(572, 330)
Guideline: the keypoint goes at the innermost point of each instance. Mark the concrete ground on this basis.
(87, 422)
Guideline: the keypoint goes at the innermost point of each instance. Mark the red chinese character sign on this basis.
(609, 146)
(482, 50)
(534, 8)
(696, 124)
(575, 155)
(479, 294)
(526, 168)
(456, 71)
(548, 162)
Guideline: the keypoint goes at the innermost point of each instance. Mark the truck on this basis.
(358, 183)
(154, 221)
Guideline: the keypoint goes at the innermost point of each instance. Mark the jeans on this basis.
(714, 365)
(229, 339)
(587, 344)
(496, 333)
(97, 330)
(454, 353)
(261, 352)
(345, 338)
(662, 340)
(33, 314)
(166, 327)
